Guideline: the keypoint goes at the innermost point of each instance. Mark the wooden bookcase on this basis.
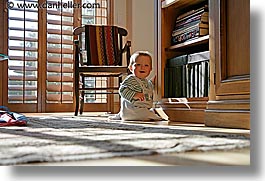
(170, 10)
(228, 102)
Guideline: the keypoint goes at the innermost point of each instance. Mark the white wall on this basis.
(120, 13)
(137, 16)
(143, 25)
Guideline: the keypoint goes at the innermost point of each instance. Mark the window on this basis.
(40, 49)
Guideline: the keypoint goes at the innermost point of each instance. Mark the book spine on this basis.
(185, 36)
(193, 81)
(207, 78)
(188, 21)
(191, 13)
(184, 81)
(186, 28)
(203, 94)
(188, 80)
(178, 81)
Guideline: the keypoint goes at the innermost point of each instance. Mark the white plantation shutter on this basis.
(45, 82)
(22, 51)
(60, 54)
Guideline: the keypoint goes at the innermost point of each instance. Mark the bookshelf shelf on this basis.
(188, 44)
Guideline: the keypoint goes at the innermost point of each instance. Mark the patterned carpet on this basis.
(57, 139)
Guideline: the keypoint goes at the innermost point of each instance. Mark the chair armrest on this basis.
(129, 43)
(126, 47)
(128, 52)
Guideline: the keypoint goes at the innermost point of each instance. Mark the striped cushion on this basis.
(101, 45)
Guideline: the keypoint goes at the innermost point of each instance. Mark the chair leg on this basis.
(76, 94)
(82, 96)
(82, 102)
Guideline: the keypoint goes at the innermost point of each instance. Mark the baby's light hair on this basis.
(137, 54)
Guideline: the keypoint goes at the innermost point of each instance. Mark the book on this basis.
(166, 82)
(195, 32)
(190, 26)
(184, 81)
(203, 31)
(205, 17)
(174, 82)
(186, 28)
(185, 36)
(177, 83)
(202, 72)
(198, 57)
(203, 25)
(176, 61)
(207, 78)
(186, 22)
(192, 13)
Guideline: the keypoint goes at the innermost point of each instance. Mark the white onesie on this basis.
(136, 109)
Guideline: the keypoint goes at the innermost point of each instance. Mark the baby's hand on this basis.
(139, 96)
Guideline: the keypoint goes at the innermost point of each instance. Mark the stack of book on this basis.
(190, 25)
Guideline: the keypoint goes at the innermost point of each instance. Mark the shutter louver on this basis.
(59, 85)
(23, 52)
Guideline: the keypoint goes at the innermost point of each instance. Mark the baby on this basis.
(136, 91)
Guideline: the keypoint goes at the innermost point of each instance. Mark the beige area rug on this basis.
(57, 139)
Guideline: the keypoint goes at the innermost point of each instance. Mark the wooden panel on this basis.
(59, 60)
(229, 105)
(32, 108)
(58, 97)
(55, 107)
(3, 81)
(238, 38)
(185, 115)
(60, 88)
(55, 78)
(192, 111)
(234, 87)
(228, 119)
(22, 98)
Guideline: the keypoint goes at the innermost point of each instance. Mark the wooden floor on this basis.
(233, 157)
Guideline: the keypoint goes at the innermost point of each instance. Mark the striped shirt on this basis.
(130, 86)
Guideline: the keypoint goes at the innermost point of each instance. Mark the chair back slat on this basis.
(102, 45)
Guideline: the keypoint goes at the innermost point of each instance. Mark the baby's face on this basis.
(142, 67)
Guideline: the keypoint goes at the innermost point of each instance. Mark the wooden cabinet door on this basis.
(233, 59)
